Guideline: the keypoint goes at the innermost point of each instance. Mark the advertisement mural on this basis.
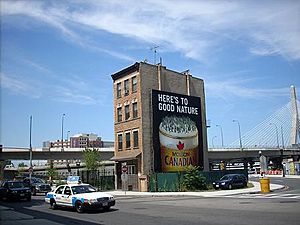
(177, 131)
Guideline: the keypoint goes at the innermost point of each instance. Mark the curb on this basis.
(253, 190)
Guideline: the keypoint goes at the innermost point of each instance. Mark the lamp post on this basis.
(281, 152)
(62, 132)
(221, 130)
(212, 141)
(30, 148)
(240, 136)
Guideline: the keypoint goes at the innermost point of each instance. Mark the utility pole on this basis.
(62, 132)
(30, 149)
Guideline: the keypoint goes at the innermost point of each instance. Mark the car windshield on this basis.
(38, 180)
(80, 189)
(16, 184)
(226, 177)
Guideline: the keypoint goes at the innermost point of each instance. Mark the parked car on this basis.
(14, 190)
(230, 181)
(37, 185)
(79, 196)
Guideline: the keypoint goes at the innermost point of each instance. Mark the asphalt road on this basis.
(160, 210)
(292, 184)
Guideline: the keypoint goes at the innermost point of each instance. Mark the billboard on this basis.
(177, 131)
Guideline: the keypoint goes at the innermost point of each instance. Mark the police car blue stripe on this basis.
(49, 195)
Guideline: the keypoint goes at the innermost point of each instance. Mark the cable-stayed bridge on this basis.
(277, 131)
(276, 136)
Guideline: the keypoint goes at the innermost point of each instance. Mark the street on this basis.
(239, 210)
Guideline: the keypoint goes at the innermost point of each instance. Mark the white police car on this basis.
(79, 196)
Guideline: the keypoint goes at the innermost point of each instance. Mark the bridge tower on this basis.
(295, 134)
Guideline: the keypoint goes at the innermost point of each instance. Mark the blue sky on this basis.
(57, 58)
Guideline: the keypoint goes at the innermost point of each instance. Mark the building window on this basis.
(126, 87)
(127, 112)
(127, 140)
(119, 90)
(119, 114)
(131, 169)
(135, 110)
(134, 84)
(135, 139)
(120, 142)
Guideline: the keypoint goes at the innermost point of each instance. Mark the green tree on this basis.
(193, 180)
(91, 158)
(52, 174)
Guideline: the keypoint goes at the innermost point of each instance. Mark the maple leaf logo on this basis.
(180, 145)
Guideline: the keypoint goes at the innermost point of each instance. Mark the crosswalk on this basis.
(268, 196)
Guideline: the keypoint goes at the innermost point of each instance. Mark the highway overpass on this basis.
(51, 154)
(214, 154)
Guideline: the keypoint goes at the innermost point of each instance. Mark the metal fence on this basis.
(104, 180)
(173, 181)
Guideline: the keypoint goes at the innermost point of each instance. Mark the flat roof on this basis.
(126, 71)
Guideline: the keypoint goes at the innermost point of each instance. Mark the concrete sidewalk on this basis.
(218, 193)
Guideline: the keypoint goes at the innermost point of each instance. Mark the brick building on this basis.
(133, 116)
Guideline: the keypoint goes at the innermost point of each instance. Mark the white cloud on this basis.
(18, 86)
(237, 88)
(70, 90)
(194, 28)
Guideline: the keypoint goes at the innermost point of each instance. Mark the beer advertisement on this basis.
(177, 131)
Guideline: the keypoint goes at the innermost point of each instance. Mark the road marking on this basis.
(271, 196)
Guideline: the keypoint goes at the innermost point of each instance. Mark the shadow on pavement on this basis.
(23, 207)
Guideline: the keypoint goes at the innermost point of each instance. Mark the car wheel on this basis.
(53, 204)
(79, 207)
(229, 186)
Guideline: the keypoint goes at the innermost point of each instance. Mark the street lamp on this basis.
(240, 136)
(221, 130)
(212, 141)
(276, 128)
(281, 152)
(30, 148)
(62, 132)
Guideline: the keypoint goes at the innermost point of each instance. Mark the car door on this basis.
(235, 181)
(66, 197)
(58, 195)
(239, 181)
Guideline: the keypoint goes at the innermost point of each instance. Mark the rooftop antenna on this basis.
(154, 49)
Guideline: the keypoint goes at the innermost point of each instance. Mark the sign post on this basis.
(124, 177)
(263, 165)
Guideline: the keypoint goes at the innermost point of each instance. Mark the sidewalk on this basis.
(219, 193)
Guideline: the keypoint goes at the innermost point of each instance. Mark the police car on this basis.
(79, 196)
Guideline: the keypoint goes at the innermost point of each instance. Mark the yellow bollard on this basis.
(264, 185)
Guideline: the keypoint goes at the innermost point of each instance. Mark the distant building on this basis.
(56, 144)
(86, 141)
(79, 141)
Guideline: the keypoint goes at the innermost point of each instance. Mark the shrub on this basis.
(193, 180)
